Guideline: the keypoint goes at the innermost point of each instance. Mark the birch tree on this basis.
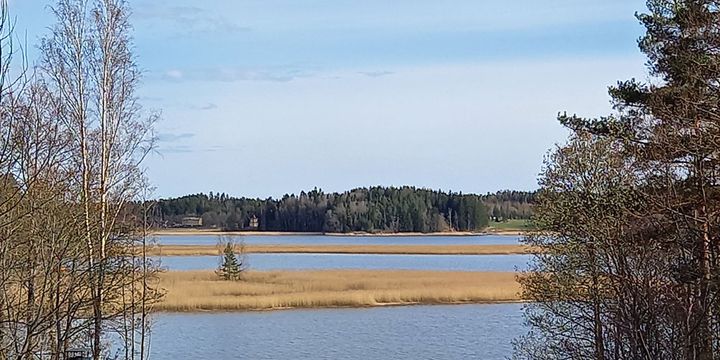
(73, 269)
(88, 58)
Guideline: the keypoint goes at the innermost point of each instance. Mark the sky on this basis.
(261, 98)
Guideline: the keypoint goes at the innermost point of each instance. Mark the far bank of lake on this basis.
(209, 250)
(210, 239)
(215, 232)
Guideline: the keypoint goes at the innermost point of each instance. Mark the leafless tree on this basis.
(643, 242)
(73, 266)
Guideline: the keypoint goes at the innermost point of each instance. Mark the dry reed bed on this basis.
(203, 291)
(215, 232)
(197, 250)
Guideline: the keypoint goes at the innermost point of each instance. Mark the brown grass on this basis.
(192, 250)
(202, 290)
(215, 232)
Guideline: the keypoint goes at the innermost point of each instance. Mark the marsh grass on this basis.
(197, 250)
(203, 291)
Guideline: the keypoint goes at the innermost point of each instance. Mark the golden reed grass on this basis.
(191, 250)
(203, 291)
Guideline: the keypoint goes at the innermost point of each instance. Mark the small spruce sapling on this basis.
(232, 260)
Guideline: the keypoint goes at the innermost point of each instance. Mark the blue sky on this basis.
(267, 97)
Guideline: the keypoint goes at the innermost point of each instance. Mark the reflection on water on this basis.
(358, 261)
(345, 240)
(413, 332)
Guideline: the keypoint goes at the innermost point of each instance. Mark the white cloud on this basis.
(416, 15)
(376, 73)
(174, 74)
(467, 127)
(186, 20)
(233, 74)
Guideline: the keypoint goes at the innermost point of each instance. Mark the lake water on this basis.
(358, 261)
(344, 240)
(413, 332)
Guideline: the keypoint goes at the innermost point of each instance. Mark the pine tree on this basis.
(628, 215)
(231, 265)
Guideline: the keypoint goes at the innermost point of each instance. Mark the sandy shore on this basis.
(212, 232)
(197, 250)
(276, 290)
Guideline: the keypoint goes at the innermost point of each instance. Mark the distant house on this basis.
(78, 354)
(192, 221)
(254, 222)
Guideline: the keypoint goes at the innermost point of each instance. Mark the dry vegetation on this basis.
(199, 250)
(202, 290)
(216, 232)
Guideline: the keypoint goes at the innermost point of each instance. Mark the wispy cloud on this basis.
(185, 149)
(376, 73)
(208, 106)
(175, 149)
(229, 74)
(173, 74)
(187, 20)
(177, 143)
(170, 137)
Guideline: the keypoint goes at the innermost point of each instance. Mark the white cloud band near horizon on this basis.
(263, 98)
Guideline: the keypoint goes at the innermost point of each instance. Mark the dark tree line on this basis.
(375, 209)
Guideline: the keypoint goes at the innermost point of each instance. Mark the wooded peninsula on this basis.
(373, 210)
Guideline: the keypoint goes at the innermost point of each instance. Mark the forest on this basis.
(509, 204)
(374, 209)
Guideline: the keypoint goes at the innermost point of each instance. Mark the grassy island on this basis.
(273, 290)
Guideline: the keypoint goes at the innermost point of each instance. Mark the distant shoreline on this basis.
(213, 232)
(207, 250)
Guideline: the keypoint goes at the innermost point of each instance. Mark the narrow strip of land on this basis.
(204, 291)
(199, 250)
(215, 232)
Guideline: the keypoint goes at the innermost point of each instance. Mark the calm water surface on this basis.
(412, 332)
(344, 240)
(358, 261)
